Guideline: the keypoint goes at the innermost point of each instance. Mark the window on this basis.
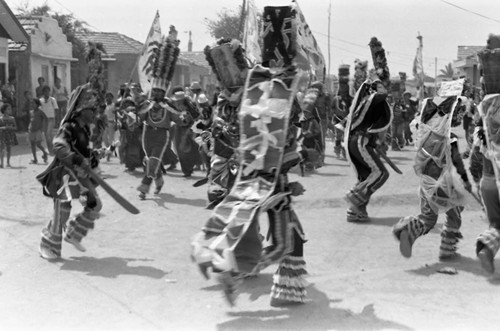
(45, 73)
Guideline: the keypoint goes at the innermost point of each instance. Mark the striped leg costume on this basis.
(372, 174)
(287, 239)
(77, 228)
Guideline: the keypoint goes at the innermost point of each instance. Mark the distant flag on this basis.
(251, 32)
(418, 65)
(148, 53)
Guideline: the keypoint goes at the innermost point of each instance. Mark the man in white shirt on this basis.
(49, 107)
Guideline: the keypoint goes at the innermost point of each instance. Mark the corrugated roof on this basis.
(113, 42)
(464, 52)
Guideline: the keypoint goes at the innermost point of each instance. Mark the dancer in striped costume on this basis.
(66, 178)
(157, 116)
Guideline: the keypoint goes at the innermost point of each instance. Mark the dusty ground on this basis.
(136, 273)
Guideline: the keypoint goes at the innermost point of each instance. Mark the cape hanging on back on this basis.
(439, 181)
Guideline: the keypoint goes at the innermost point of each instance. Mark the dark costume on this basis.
(157, 115)
(370, 115)
(341, 104)
(131, 151)
(228, 62)
(230, 242)
(184, 113)
(65, 180)
(488, 242)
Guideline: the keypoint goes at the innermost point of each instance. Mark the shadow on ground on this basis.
(316, 314)
(110, 267)
(461, 264)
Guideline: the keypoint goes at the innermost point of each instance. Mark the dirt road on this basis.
(136, 273)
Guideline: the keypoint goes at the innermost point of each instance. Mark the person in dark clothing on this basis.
(35, 134)
(67, 178)
(410, 108)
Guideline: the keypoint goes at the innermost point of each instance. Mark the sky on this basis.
(396, 23)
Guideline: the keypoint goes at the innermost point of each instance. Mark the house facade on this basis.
(467, 63)
(48, 54)
(120, 63)
(119, 60)
(10, 29)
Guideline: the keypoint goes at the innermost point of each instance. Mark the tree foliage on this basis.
(448, 71)
(69, 24)
(226, 25)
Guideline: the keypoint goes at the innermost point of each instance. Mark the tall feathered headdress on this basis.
(164, 60)
(360, 72)
(380, 62)
(227, 59)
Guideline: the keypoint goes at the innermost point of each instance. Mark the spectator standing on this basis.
(9, 96)
(410, 108)
(37, 123)
(7, 132)
(39, 88)
(110, 112)
(49, 106)
(60, 93)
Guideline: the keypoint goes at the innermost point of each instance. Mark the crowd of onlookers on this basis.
(38, 116)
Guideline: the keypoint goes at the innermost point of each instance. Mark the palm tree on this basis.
(447, 72)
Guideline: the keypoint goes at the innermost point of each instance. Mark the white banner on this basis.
(251, 33)
(454, 87)
(146, 58)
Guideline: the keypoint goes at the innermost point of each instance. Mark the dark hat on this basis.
(178, 93)
(195, 86)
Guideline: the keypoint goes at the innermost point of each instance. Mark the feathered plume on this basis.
(165, 58)
(360, 72)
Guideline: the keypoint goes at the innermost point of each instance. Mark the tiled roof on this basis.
(113, 42)
(464, 52)
(197, 58)
(29, 24)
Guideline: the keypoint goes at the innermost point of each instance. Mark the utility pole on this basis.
(242, 20)
(435, 74)
(329, 16)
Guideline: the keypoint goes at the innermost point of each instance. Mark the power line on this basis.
(393, 52)
(79, 18)
(470, 11)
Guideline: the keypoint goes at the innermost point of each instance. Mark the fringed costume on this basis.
(229, 64)
(157, 115)
(184, 113)
(443, 178)
(230, 243)
(67, 178)
(369, 115)
(488, 242)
